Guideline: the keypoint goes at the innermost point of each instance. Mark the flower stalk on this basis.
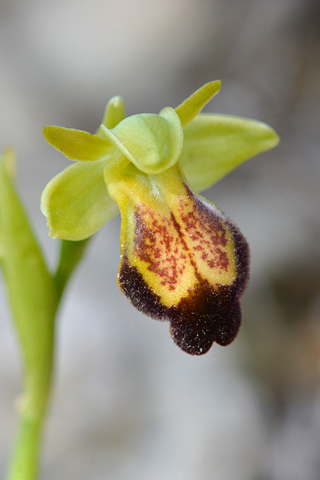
(182, 259)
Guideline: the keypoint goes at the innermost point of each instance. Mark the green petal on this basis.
(114, 112)
(195, 103)
(77, 144)
(76, 202)
(216, 144)
(151, 142)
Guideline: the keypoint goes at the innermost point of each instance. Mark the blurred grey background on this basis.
(128, 404)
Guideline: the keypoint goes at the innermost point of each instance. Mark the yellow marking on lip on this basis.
(160, 256)
(174, 238)
(208, 239)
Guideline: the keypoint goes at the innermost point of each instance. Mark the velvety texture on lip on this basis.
(198, 237)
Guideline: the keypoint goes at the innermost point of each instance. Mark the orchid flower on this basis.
(182, 259)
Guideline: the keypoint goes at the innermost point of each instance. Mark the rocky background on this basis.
(128, 404)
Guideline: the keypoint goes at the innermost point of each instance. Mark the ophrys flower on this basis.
(182, 259)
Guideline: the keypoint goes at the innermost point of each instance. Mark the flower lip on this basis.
(181, 260)
(205, 316)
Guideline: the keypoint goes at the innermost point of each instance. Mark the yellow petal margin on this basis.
(181, 259)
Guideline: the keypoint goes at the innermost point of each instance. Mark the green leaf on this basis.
(8, 160)
(77, 144)
(31, 293)
(76, 202)
(214, 145)
(151, 142)
(190, 108)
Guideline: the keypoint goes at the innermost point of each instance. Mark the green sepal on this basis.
(151, 142)
(32, 296)
(76, 202)
(77, 144)
(190, 108)
(214, 145)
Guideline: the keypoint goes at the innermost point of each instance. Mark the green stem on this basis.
(31, 409)
(71, 254)
(26, 454)
(38, 381)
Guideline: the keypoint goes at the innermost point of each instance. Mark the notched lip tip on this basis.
(186, 347)
(196, 353)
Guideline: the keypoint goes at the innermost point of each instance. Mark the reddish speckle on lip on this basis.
(167, 244)
(154, 245)
(161, 241)
(205, 316)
